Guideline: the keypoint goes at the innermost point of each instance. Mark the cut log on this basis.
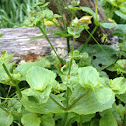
(15, 40)
(86, 3)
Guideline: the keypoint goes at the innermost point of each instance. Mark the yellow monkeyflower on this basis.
(85, 20)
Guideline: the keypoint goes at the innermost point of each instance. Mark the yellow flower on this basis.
(50, 23)
(85, 20)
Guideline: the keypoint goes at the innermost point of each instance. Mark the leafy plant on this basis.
(71, 91)
(14, 12)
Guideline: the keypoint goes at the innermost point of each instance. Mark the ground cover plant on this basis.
(14, 12)
(85, 88)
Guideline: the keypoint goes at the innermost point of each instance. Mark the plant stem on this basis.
(4, 109)
(95, 28)
(57, 103)
(80, 120)
(66, 114)
(59, 7)
(13, 81)
(68, 44)
(77, 100)
(71, 56)
(113, 9)
(50, 43)
(7, 72)
(101, 47)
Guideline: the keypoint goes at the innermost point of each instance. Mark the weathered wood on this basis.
(15, 40)
(86, 3)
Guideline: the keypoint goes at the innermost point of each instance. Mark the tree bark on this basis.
(86, 3)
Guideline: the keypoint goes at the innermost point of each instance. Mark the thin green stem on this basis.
(68, 44)
(77, 100)
(57, 103)
(57, 26)
(50, 43)
(114, 8)
(4, 109)
(71, 56)
(61, 13)
(7, 72)
(85, 44)
(100, 47)
(13, 81)
(18, 91)
(67, 99)
(80, 120)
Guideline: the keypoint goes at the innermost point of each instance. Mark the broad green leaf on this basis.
(31, 119)
(88, 77)
(111, 25)
(99, 59)
(108, 25)
(122, 97)
(43, 108)
(87, 103)
(40, 78)
(5, 118)
(47, 120)
(121, 65)
(107, 119)
(120, 14)
(118, 85)
(37, 95)
(23, 68)
(121, 110)
(103, 94)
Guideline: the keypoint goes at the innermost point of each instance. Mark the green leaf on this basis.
(5, 58)
(72, 8)
(4, 79)
(103, 94)
(40, 78)
(120, 14)
(88, 77)
(61, 33)
(90, 11)
(35, 38)
(47, 120)
(95, 122)
(31, 119)
(121, 65)
(43, 108)
(122, 97)
(107, 119)
(99, 59)
(118, 85)
(23, 68)
(88, 104)
(6, 119)
(71, 30)
(111, 25)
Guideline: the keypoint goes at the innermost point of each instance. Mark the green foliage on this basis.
(14, 12)
(74, 90)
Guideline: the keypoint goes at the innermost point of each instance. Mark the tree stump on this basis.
(86, 3)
